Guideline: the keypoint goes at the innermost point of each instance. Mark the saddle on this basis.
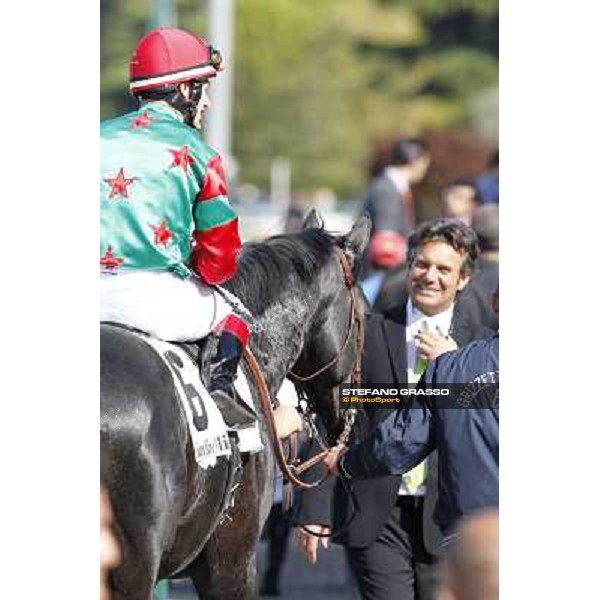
(199, 406)
(208, 431)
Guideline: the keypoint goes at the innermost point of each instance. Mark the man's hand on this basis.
(431, 344)
(308, 543)
(333, 457)
(287, 420)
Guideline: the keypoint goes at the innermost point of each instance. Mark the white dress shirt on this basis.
(394, 174)
(417, 321)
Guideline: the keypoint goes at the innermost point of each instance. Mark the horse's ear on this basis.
(313, 220)
(355, 242)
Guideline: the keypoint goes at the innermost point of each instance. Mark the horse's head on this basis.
(301, 289)
(332, 347)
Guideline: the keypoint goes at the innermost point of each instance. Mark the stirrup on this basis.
(234, 411)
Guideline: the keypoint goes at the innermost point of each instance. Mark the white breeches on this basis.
(162, 304)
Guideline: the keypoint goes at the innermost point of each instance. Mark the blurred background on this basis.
(313, 97)
(315, 91)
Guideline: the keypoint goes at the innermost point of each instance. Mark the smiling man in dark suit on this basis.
(389, 534)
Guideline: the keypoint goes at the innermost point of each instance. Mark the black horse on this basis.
(173, 518)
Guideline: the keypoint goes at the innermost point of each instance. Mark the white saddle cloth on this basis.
(213, 440)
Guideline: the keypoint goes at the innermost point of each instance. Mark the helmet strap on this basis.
(172, 96)
(185, 106)
(190, 106)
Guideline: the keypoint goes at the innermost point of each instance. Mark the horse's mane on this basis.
(264, 267)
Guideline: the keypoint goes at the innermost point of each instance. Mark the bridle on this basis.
(354, 317)
(291, 470)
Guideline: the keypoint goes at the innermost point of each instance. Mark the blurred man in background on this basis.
(110, 552)
(389, 203)
(470, 570)
(486, 223)
(488, 183)
(389, 200)
(386, 251)
(460, 199)
(487, 269)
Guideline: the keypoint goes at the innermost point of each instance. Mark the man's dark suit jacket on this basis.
(483, 285)
(384, 362)
(387, 207)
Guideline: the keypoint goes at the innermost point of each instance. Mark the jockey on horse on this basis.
(167, 230)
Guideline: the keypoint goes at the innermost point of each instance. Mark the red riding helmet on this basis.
(167, 56)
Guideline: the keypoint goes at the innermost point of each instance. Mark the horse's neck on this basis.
(281, 334)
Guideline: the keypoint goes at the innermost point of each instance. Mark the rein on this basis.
(290, 471)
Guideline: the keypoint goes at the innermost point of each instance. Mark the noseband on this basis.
(291, 471)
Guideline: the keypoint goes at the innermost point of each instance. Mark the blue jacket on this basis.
(467, 439)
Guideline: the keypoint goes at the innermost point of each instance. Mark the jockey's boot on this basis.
(233, 336)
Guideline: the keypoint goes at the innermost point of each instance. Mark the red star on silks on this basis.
(161, 234)
(182, 158)
(118, 184)
(142, 121)
(109, 261)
